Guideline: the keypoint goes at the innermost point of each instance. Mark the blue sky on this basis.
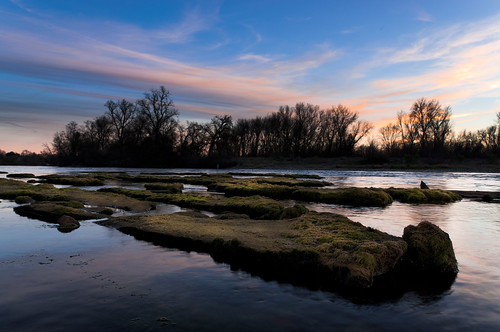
(61, 60)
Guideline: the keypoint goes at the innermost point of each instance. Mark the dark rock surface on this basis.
(423, 185)
(430, 252)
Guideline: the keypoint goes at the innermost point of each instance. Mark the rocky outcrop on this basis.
(430, 252)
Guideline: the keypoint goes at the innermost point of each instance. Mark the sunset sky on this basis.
(60, 61)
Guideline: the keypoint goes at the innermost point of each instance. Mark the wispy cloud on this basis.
(87, 60)
(255, 57)
(424, 16)
(22, 6)
(350, 30)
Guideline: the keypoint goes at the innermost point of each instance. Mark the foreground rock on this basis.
(430, 252)
(319, 248)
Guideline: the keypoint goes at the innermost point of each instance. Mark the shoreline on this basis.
(319, 164)
(356, 164)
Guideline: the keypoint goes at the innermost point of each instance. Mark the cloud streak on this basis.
(58, 61)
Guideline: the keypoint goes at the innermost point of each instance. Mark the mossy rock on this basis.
(292, 182)
(227, 215)
(423, 196)
(319, 247)
(171, 188)
(107, 211)
(294, 211)
(430, 251)
(24, 200)
(20, 175)
(79, 180)
(345, 196)
(52, 211)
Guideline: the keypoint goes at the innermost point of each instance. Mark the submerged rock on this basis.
(430, 252)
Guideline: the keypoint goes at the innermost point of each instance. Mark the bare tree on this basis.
(219, 133)
(391, 137)
(122, 114)
(98, 131)
(158, 110)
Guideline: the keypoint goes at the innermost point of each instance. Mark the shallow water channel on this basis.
(97, 278)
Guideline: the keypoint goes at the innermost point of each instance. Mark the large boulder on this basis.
(430, 252)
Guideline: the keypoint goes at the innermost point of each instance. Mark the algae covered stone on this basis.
(430, 251)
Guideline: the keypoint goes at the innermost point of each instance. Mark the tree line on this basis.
(148, 132)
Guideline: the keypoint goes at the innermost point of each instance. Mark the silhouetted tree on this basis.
(157, 109)
(121, 113)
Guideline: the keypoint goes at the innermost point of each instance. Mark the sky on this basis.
(60, 60)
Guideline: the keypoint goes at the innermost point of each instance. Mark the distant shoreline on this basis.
(320, 164)
(357, 164)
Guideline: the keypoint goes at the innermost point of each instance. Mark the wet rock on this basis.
(107, 211)
(67, 221)
(430, 252)
(423, 185)
(24, 200)
(20, 175)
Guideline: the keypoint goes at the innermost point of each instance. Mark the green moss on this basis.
(79, 180)
(23, 199)
(292, 176)
(74, 204)
(293, 212)
(310, 245)
(366, 260)
(430, 250)
(138, 194)
(52, 211)
(423, 196)
(171, 188)
(292, 182)
(345, 196)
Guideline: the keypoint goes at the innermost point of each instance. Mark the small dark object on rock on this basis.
(423, 185)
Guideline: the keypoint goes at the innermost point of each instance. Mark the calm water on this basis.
(97, 278)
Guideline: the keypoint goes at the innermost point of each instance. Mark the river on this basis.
(97, 278)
